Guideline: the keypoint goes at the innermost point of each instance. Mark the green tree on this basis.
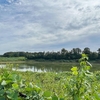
(98, 53)
(93, 55)
(87, 50)
(64, 53)
(75, 53)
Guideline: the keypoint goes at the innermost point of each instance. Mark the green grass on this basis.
(51, 81)
(12, 59)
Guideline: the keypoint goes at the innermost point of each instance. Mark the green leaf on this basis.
(0, 78)
(2, 98)
(74, 68)
(97, 97)
(15, 86)
(2, 92)
(84, 55)
(3, 82)
(88, 63)
(76, 97)
(61, 98)
(47, 94)
(16, 78)
(36, 88)
(88, 67)
(13, 95)
(48, 98)
(54, 97)
(28, 89)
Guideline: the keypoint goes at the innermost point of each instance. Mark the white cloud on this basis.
(27, 23)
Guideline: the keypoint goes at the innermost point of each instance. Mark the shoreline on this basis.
(15, 62)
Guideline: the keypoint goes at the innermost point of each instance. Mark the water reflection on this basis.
(39, 67)
(46, 67)
(24, 67)
(2, 65)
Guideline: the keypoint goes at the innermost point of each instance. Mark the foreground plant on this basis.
(13, 87)
(82, 84)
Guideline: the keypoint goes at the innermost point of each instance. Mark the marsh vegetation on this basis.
(77, 84)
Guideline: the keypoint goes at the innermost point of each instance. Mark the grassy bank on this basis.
(12, 59)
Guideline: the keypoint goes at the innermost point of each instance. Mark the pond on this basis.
(44, 67)
(48, 66)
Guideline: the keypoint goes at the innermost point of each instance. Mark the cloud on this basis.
(43, 24)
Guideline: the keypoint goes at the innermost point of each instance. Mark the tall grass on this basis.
(5, 59)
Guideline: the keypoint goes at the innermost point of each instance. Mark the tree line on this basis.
(63, 54)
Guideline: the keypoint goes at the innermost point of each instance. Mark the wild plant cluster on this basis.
(81, 84)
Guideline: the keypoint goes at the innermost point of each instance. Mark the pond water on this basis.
(47, 67)
(42, 68)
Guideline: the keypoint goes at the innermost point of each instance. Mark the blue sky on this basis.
(49, 25)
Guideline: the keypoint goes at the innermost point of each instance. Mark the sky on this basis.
(49, 25)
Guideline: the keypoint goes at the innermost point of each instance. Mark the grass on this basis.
(11, 59)
(51, 81)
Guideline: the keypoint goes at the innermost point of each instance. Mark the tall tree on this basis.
(87, 50)
(64, 53)
(98, 53)
(75, 53)
(93, 55)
